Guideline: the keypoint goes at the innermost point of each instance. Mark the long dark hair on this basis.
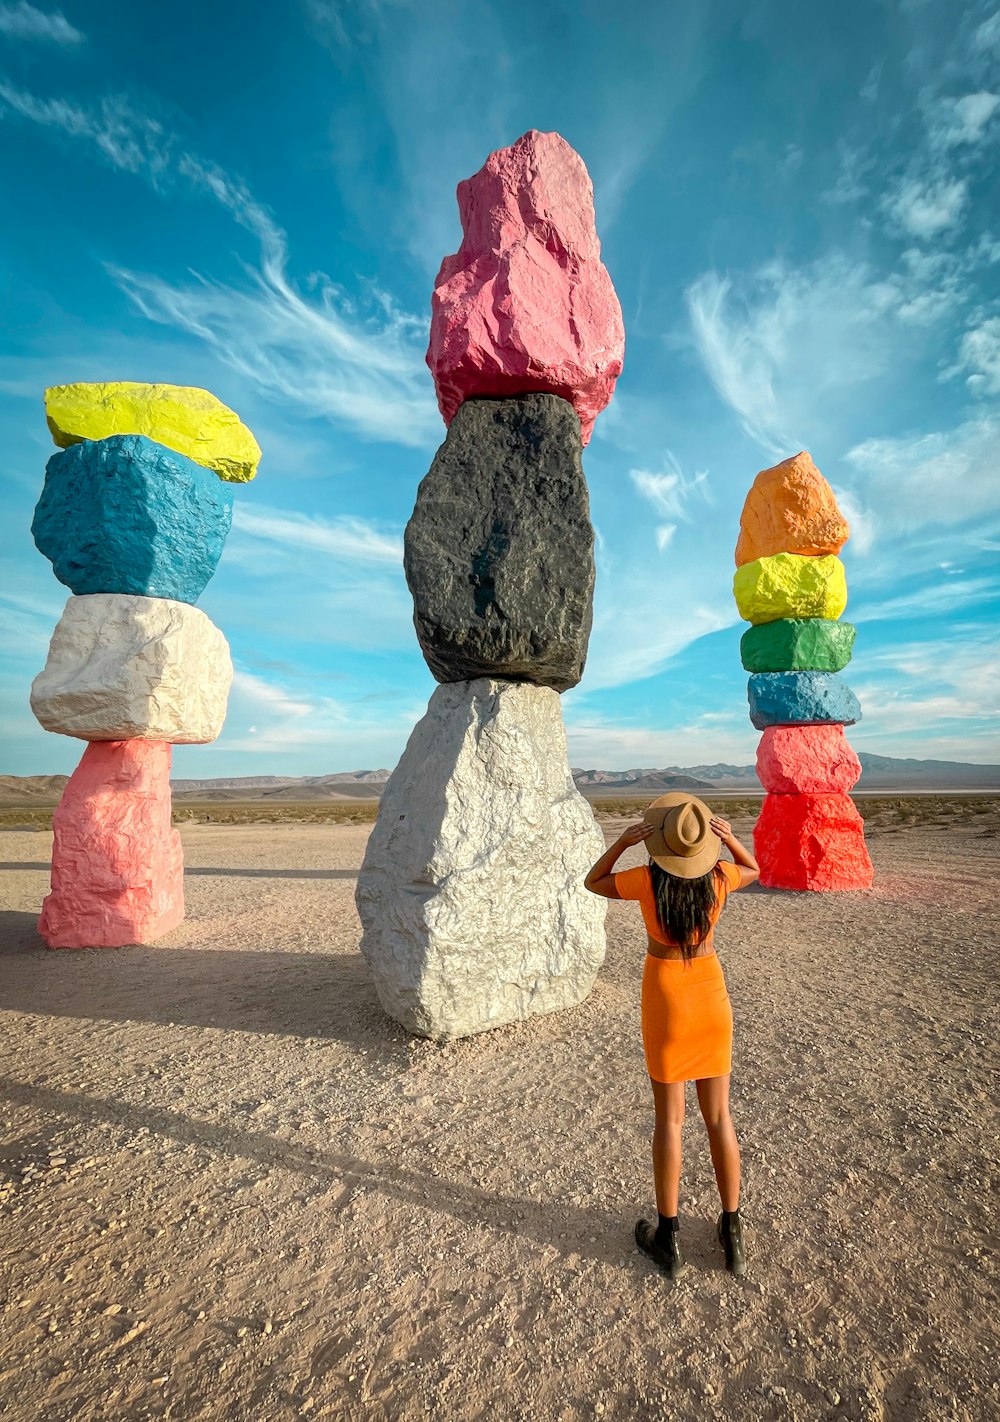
(684, 907)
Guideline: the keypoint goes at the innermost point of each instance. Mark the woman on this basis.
(687, 1020)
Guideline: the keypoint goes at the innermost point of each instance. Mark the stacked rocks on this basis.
(790, 585)
(471, 893)
(133, 516)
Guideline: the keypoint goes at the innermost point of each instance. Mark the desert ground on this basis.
(231, 1188)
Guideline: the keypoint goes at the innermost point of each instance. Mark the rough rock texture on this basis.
(790, 585)
(471, 893)
(798, 644)
(128, 515)
(811, 842)
(526, 302)
(499, 552)
(121, 668)
(790, 509)
(807, 760)
(191, 421)
(117, 864)
(800, 698)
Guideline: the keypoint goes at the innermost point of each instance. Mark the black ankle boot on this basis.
(661, 1244)
(731, 1239)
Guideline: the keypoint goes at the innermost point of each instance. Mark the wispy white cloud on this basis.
(925, 602)
(347, 538)
(979, 357)
(963, 120)
(938, 480)
(24, 22)
(927, 206)
(670, 492)
(780, 343)
(596, 741)
(318, 352)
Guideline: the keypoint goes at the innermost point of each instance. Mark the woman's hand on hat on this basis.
(720, 827)
(635, 834)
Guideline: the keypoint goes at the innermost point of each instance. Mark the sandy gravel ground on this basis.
(231, 1188)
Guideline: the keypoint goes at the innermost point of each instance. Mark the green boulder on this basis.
(797, 644)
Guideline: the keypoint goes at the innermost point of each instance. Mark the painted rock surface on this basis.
(790, 509)
(499, 551)
(796, 698)
(811, 842)
(117, 864)
(188, 420)
(798, 644)
(807, 760)
(526, 303)
(790, 585)
(128, 515)
(471, 893)
(121, 668)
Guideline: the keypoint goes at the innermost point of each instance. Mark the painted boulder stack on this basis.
(133, 516)
(471, 892)
(790, 586)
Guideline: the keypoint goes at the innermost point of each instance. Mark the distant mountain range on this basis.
(880, 773)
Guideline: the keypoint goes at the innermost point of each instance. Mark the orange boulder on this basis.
(790, 509)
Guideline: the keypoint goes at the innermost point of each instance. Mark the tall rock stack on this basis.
(790, 585)
(471, 893)
(133, 516)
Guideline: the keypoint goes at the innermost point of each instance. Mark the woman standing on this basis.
(687, 1020)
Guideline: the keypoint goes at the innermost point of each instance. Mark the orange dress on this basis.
(687, 1018)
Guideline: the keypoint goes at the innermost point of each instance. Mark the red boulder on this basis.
(526, 304)
(810, 760)
(117, 863)
(811, 842)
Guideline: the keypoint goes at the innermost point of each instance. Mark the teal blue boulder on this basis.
(128, 515)
(801, 699)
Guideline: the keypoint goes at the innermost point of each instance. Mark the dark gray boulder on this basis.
(499, 552)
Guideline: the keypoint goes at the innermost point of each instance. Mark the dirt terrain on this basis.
(231, 1188)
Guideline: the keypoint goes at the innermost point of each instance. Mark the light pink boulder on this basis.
(526, 302)
(117, 863)
(807, 760)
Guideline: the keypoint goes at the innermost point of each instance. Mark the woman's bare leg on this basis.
(713, 1098)
(669, 1102)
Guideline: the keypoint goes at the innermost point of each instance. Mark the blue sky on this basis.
(798, 206)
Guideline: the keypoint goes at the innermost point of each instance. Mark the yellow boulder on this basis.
(185, 419)
(790, 585)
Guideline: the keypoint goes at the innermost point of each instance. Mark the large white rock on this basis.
(134, 668)
(471, 892)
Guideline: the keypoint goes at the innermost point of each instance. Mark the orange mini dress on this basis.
(687, 1018)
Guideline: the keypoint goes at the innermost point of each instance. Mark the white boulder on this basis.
(471, 892)
(134, 668)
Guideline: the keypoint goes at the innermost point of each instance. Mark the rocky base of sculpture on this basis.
(811, 842)
(471, 893)
(807, 760)
(499, 552)
(121, 668)
(117, 863)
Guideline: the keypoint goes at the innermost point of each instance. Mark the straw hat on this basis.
(682, 842)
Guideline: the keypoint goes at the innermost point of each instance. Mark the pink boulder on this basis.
(811, 842)
(526, 304)
(117, 863)
(807, 760)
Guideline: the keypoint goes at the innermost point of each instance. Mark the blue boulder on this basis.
(801, 699)
(128, 515)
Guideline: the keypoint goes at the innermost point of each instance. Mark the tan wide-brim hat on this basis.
(682, 842)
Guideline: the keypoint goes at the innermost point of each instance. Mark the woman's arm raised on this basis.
(744, 860)
(600, 880)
